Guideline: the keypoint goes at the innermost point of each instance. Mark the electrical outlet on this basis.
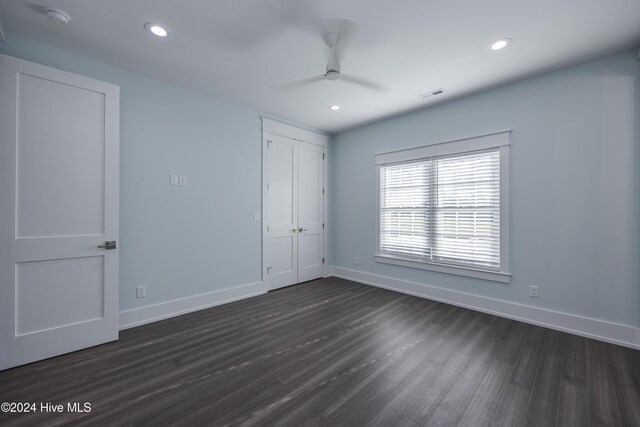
(256, 217)
(356, 260)
(183, 180)
(141, 291)
(174, 179)
(534, 291)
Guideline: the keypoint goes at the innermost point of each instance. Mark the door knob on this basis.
(109, 244)
(295, 230)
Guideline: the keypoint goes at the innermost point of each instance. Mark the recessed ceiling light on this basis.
(500, 44)
(57, 15)
(155, 29)
(335, 107)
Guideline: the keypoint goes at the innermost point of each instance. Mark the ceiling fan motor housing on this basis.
(332, 75)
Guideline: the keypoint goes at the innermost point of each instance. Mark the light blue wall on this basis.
(574, 187)
(178, 241)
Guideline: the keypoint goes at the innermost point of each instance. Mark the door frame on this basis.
(272, 127)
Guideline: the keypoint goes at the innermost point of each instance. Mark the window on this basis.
(444, 207)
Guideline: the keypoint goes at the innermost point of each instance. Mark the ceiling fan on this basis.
(336, 42)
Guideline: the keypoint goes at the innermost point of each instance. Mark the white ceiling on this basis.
(238, 49)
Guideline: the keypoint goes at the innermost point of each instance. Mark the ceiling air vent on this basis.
(432, 93)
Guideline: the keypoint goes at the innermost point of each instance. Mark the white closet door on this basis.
(281, 211)
(59, 137)
(310, 211)
(293, 204)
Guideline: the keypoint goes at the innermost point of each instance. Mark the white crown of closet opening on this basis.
(294, 164)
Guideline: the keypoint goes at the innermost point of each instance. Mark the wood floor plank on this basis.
(341, 370)
(337, 388)
(501, 328)
(371, 405)
(512, 407)
(574, 361)
(634, 358)
(554, 343)
(352, 405)
(335, 352)
(426, 401)
(356, 344)
(626, 385)
(527, 365)
(543, 404)
(573, 410)
(602, 400)
(453, 405)
(452, 336)
(516, 335)
(480, 410)
(394, 408)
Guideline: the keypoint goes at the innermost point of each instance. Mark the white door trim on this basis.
(272, 127)
(277, 128)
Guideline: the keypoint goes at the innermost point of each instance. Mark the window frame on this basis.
(501, 141)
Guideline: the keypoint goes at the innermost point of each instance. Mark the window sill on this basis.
(496, 276)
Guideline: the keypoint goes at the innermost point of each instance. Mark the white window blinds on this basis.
(443, 210)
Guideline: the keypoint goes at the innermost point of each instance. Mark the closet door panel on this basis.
(310, 211)
(281, 204)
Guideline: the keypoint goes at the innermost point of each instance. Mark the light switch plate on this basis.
(183, 180)
(256, 217)
(174, 180)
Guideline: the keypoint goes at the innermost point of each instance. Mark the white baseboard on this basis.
(153, 313)
(614, 333)
(328, 271)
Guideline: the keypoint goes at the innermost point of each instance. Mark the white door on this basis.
(281, 211)
(294, 211)
(59, 136)
(310, 212)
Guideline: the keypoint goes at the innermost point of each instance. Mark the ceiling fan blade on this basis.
(363, 82)
(348, 29)
(302, 14)
(297, 84)
(345, 30)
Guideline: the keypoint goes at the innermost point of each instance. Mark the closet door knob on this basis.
(109, 244)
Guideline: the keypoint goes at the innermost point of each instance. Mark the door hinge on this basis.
(267, 186)
(323, 225)
(323, 260)
(268, 270)
(267, 228)
(323, 154)
(323, 191)
(268, 143)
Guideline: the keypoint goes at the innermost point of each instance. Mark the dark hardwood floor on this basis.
(334, 352)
